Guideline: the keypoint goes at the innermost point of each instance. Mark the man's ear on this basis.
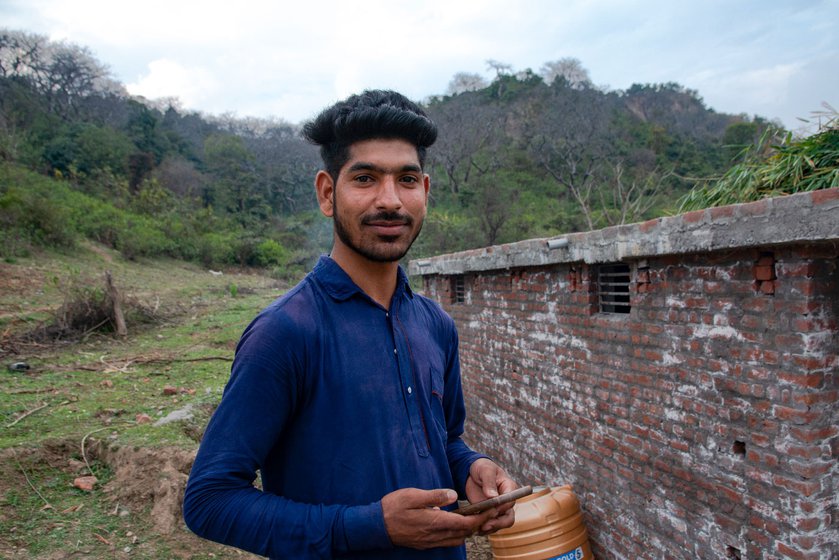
(426, 183)
(325, 189)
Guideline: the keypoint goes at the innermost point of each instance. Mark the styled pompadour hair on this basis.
(373, 114)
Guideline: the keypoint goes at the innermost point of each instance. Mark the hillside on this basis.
(525, 155)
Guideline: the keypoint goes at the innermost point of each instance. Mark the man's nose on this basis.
(388, 196)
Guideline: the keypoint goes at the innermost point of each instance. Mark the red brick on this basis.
(758, 538)
(806, 542)
(767, 287)
(812, 469)
(824, 195)
(721, 212)
(811, 435)
(693, 217)
(759, 208)
(803, 379)
(794, 553)
(765, 272)
(803, 487)
(808, 524)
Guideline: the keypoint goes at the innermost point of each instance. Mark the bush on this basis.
(216, 248)
(29, 217)
(142, 238)
(271, 253)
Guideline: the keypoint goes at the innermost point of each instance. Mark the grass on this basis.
(771, 169)
(95, 391)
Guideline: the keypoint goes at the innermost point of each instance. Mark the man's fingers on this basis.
(413, 519)
(443, 497)
(414, 498)
(503, 521)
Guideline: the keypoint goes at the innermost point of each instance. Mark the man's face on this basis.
(379, 201)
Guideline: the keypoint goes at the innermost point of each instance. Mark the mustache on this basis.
(387, 217)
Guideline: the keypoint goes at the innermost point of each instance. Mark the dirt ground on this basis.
(145, 490)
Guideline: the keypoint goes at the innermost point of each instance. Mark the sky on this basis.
(778, 59)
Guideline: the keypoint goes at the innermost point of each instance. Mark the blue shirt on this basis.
(337, 401)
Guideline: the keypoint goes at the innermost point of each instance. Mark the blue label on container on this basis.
(576, 554)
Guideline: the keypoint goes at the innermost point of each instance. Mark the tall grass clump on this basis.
(770, 170)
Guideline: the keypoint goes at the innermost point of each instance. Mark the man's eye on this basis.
(409, 179)
(363, 179)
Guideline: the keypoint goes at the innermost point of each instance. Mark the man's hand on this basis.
(488, 480)
(413, 518)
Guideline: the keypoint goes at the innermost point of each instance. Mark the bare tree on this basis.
(466, 81)
(63, 72)
(20, 53)
(625, 199)
(468, 143)
(571, 141)
(568, 68)
(500, 68)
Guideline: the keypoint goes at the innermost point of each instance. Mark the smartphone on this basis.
(479, 507)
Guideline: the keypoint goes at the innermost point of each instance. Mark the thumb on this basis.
(440, 497)
(490, 487)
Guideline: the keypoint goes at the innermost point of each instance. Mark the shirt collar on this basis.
(340, 286)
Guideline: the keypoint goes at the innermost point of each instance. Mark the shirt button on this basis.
(409, 390)
(394, 351)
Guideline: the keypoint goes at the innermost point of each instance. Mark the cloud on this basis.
(167, 78)
(256, 57)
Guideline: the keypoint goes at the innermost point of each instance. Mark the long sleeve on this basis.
(221, 503)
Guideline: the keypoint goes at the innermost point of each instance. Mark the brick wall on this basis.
(702, 424)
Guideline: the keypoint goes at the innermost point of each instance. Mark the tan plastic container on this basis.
(549, 526)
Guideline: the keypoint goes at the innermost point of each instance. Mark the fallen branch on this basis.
(205, 359)
(136, 361)
(84, 455)
(47, 505)
(93, 328)
(27, 413)
(31, 391)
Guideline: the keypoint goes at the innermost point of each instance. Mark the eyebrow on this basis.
(366, 166)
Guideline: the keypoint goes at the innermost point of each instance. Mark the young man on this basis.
(345, 393)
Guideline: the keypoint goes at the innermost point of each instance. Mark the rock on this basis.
(107, 383)
(85, 483)
(184, 413)
(143, 418)
(19, 366)
(169, 390)
(76, 466)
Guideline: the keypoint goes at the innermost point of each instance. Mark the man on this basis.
(345, 393)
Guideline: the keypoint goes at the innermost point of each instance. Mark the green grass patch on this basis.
(107, 392)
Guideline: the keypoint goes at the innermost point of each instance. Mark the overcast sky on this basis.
(774, 58)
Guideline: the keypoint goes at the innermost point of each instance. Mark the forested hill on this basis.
(518, 156)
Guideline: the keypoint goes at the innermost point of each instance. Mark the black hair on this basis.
(373, 114)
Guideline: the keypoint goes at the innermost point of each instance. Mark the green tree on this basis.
(235, 184)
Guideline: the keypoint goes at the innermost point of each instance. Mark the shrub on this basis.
(216, 248)
(101, 222)
(142, 238)
(28, 217)
(271, 253)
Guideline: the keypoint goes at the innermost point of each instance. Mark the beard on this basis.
(376, 248)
